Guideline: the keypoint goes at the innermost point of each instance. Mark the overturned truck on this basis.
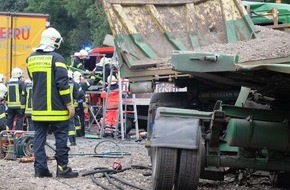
(234, 115)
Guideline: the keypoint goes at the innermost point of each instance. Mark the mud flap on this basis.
(175, 131)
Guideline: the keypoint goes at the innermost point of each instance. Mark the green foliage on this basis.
(81, 23)
(13, 5)
(58, 17)
(100, 25)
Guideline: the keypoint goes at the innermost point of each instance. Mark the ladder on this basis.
(124, 102)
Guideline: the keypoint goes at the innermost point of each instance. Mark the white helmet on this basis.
(28, 81)
(104, 61)
(77, 76)
(76, 54)
(2, 77)
(3, 91)
(113, 80)
(16, 72)
(83, 53)
(70, 74)
(51, 37)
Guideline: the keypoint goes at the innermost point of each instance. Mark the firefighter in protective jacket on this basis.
(3, 107)
(80, 59)
(27, 93)
(76, 93)
(51, 103)
(15, 101)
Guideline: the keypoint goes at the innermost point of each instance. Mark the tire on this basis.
(188, 169)
(164, 162)
(127, 127)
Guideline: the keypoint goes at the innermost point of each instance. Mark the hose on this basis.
(109, 154)
(107, 170)
(107, 173)
(99, 183)
(141, 167)
(116, 154)
(126, 182)
(114, 183)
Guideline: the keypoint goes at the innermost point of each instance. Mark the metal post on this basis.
(135, 116)
(121, 104)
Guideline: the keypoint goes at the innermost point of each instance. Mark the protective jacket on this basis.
(3, 119)
(14, 96)
(79, 63)
(76, 92)
(27, 93)
(51, 91)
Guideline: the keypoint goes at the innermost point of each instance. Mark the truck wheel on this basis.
(188, 169)
(129, 125)
(163, 168)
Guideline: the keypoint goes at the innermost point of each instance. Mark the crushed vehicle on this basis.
(234, 115)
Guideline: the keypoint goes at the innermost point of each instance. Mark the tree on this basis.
(13, 5)
(99, 22)
(80, 35)
(81, 23)
(59, 18)
(92, 24)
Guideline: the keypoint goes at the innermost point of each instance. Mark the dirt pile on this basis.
(268, 44)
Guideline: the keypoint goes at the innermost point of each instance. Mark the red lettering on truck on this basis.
(16, 33)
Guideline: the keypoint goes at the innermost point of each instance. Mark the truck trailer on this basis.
(234, 115)
(19, 33)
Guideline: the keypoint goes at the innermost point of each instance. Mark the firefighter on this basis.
(82, 108)
(111, 116)
(79, 59)
(52, 104)
(78, 77)
(2, 78)
(74, 123)
(28, 109)
(3, 107)
(98, 72)
(15, 102)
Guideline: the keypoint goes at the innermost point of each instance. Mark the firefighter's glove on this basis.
(71, 110)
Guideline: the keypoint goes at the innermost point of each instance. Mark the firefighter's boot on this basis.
(66, 172)
(43, 173)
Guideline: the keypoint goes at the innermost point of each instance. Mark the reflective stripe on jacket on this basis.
(50, 89)
(75, 92)
(14, 98)
(28, 102)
